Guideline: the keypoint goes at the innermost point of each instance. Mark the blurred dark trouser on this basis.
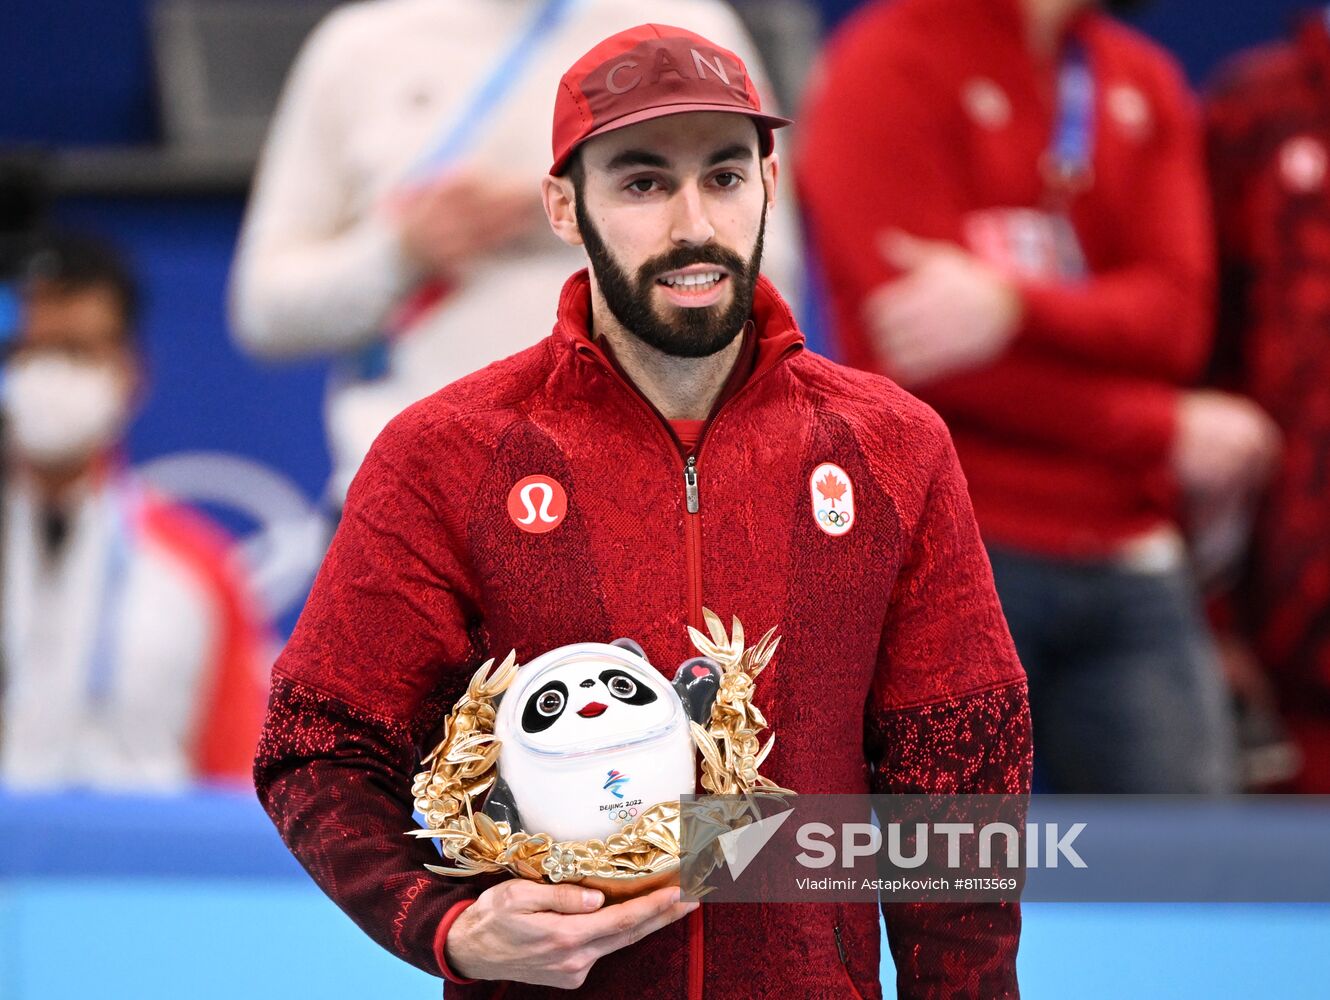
(1126, 694)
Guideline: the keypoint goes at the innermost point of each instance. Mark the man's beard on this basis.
(695, 332)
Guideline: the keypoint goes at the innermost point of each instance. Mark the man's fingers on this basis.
(622, 939)
(905, 334)
(902, 301)
(910, 315)
(574, 899)
(877, 302)
(534, 897)
(905, 251)
(908, 355)
(886, 308)
(620, 917)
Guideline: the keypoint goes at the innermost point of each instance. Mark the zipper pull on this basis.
(690, 483)
(840, 947)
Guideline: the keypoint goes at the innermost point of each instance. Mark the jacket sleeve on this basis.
(1055, 405)
(382, 650)
(310, 276)
(1145, 317)
(948, 714)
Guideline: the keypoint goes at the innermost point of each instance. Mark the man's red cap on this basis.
(648, 72)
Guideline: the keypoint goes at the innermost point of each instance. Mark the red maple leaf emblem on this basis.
(831, 488)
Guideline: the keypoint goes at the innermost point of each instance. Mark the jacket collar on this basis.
(777, 334)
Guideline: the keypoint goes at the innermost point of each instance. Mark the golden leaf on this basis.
(706, 647)
(762, 754)
(715, 627)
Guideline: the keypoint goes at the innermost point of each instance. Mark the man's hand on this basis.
(460, 216)
(551, 935)
(1225, 446)
(947, 312)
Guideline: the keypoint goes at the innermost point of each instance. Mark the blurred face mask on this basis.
(60, 411)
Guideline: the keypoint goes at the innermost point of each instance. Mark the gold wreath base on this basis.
(644, 854)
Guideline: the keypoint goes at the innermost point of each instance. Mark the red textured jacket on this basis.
(895, 672)
(1269, 118)
(1269, 132)
(930, 112)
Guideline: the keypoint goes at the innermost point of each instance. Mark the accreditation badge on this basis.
(1027, 244)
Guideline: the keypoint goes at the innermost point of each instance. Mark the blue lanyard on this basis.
(125, 507)
(372, 362)
(454, 140)
(1070, 158)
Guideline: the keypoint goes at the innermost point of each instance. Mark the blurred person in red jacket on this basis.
(1008, 201)
(133, 657)
(688, 451)
(1269, 131)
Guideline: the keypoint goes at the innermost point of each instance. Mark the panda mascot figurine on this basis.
(591, 735)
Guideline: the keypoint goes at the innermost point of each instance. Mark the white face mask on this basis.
(61, 411)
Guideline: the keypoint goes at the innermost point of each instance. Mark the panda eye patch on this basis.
(544, 707)
(625, 689)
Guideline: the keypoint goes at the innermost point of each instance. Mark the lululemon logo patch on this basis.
(537, 504)
(833, 498)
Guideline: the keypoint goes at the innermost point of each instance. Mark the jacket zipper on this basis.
(844, 956)
(693, 542)
(693, 574)
(692, 520)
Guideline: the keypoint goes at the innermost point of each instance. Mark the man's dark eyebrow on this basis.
(637, 158)
(736, 152)
(644, 158)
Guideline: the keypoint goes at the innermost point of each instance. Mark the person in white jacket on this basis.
(133, 655)
(395, 221)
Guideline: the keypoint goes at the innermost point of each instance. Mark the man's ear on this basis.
(560, 208)
(770, 171)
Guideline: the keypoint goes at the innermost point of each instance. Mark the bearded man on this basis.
(675, 433)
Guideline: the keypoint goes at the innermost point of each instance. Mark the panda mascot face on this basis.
(585, 703)
(592, 734)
